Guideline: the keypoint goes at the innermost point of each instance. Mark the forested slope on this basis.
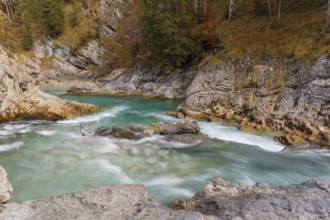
(173, 34)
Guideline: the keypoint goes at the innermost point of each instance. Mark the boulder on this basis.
(105, 202)
(184, 131)
(6, 189)
(227, 200)
(116, 132)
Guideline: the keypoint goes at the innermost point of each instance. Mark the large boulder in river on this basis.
(183, 131)
(107, 202)
(6, 188)
(20, 98)
(227, 200)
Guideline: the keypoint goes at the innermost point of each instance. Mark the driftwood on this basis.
(84, 131)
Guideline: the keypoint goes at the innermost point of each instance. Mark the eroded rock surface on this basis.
(6, 189)
(107, 202)
(227, 200)
(149, 83)
(262, 95)
(185, 131)
(20, 98)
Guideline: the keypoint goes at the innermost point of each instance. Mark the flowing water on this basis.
(51, 158)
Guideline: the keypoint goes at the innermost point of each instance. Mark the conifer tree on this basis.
(52, 17)
(168, 32)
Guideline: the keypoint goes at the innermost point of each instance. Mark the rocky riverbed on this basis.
(219, 200)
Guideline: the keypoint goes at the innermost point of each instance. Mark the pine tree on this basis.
(52, 17)
(167, 30)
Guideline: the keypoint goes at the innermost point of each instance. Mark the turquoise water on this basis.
(51, 158)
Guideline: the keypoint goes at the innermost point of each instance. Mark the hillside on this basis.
(174, 34)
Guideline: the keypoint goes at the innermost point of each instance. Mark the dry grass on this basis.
(86, 29)
(300, 36)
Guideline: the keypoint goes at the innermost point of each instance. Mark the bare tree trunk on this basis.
(205, 6)
(270, 9)
(9, 10)
(232, 10)
(328, 20)
(196, 6)
(279, 9)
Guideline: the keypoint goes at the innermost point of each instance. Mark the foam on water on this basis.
(96, 117)
(105, 145)
(8, 147)
(12, 129)
(46, 132)
(163, 117)
(177, 145)
(226, 133)
(112, 169)
(163, 181)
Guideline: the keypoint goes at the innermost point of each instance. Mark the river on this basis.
(51, 158)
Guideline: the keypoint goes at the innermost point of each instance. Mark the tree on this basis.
(8, 5)
(167, 31)
(52, 17)
(328, 20)
(275, 8)
(232, 9)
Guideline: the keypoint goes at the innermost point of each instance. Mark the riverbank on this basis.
(220, 199)
(288, 97)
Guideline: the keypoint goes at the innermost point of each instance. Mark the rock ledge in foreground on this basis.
(106, 202)
(227, 200)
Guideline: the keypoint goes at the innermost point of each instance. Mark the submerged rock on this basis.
(227, 200)
(184, 131)
(116, 132)
(6, 189)
(105, 202)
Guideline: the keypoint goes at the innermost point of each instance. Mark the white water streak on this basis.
(226, 133)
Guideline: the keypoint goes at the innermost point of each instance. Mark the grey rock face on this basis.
(6, 189)
(226, 200)
(107, 202)
(111, 12)
(66, 64)
(148, 83)
(293, 98)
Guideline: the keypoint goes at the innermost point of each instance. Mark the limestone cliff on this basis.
(20, 98)
(265, 95)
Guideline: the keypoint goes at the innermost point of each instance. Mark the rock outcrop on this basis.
(227, 200)
(111, 12)
(6, 189)
(185, 131)
(219, 200)
(106, 202)
(149, 83)
(20, 98)
(289, 97)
